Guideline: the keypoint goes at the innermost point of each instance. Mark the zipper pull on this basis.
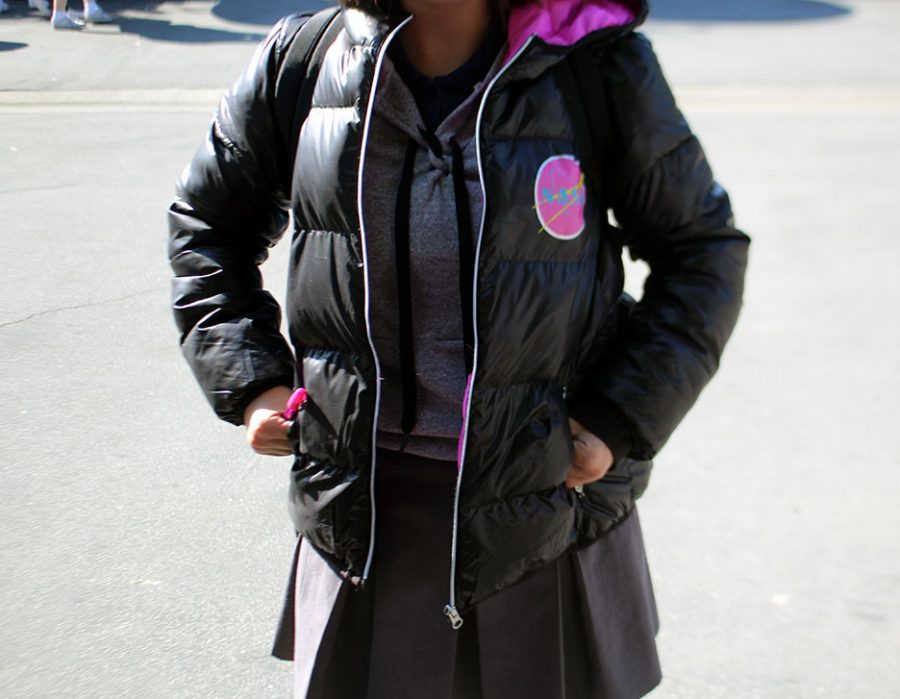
(455, 619)
(295, 403)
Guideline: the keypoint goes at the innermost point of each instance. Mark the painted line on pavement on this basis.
(691, 98)
(110, 101)
(789, 100)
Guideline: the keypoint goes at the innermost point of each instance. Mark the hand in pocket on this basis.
(267, 430)
(592, 457)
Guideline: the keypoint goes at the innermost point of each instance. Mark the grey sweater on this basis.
(438, 346)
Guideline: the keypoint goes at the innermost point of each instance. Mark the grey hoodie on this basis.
(438, 346)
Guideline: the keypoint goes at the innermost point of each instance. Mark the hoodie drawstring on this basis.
(404, 294)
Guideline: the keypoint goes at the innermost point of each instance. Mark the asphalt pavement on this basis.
(144, 548)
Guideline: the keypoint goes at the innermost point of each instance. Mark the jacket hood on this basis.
(566, 22)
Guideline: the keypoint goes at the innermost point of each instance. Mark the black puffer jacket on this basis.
(550, 342)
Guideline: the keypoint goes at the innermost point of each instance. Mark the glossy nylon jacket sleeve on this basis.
(230, 207)
(679, 220)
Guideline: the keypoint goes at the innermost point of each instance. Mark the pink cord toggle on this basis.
(295, 403)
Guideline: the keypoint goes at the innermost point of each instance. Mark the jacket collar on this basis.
(564, 23)
(556, 22)
(556, 25)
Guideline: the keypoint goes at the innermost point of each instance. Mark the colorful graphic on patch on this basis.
(559, 197)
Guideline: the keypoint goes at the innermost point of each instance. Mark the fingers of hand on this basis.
(576, 476)
(267, 434)
(592, 457)
(585, 472)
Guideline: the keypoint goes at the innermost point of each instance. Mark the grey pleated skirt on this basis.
(584, 627)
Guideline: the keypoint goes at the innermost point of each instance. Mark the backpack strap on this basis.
(596, 132)
(300, 66)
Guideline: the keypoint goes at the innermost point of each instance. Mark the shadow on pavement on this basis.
(164, 30)
(744, 10)
(265, 13)
(11, 46)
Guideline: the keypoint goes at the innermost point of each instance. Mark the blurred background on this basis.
(144, 548)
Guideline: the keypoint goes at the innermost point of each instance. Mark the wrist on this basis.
(271, 400)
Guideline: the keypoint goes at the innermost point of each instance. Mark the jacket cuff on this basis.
(603, 418)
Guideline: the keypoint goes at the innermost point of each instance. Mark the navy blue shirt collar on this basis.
(437, 97)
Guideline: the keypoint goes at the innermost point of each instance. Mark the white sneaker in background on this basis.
(42, 7)
(61, 20)
(95, 14)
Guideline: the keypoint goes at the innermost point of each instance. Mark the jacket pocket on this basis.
(605, 503)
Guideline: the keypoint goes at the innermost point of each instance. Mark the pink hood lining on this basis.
(565, 22)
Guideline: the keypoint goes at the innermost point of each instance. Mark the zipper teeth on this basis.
(465, 434)
(362, 231)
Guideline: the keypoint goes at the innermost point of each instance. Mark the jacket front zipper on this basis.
(450, 610)
(362, 234)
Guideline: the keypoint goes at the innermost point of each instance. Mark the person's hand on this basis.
(592, 457)
(267, 431)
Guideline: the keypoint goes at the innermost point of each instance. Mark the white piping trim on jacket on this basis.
(450, 610)
(362, 234)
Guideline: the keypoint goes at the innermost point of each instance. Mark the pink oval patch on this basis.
(559, 196)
